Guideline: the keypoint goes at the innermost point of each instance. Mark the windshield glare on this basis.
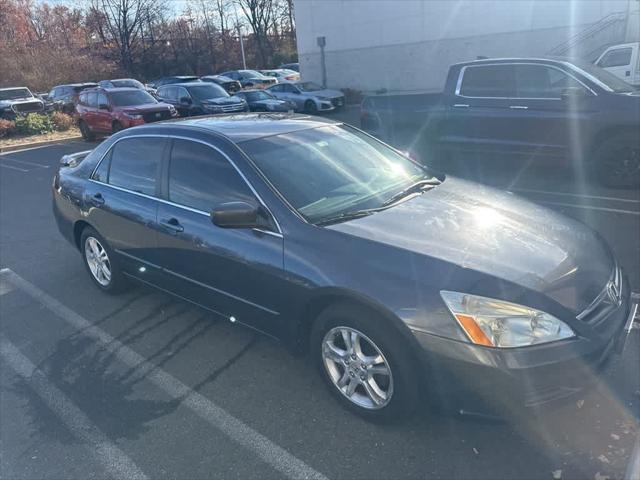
(14, 93)
(255, 96)
(207, 91)
(328, 171)
(127, 83)
(251, 74)
(125, 99)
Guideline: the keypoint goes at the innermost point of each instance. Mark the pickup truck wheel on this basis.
(617, 161)
(116, 127)
(86, 133)
(100, 262)
(310, 107)
(365, 363)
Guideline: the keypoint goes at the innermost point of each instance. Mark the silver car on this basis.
(308, 96)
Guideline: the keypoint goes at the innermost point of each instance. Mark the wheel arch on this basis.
(78, 228)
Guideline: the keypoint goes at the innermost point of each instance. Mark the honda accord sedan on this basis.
(402, 284)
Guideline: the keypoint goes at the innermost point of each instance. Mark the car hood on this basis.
(272, 102)
(6, 103)
(222, 101)
(325, 93)
(147, 107)
(499, 234)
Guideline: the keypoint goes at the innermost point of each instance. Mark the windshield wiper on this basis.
(343, 217)
(416, 187)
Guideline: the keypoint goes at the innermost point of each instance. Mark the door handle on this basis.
(519, 107)
(172, 224)
(97, 199)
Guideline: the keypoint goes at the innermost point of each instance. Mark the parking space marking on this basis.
(274, 455)
(591, 207)
(576, 195)
(24, 162)
(114, 460)
(30, 148)
(13, 168)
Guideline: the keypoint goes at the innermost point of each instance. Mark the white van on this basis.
(622, 60)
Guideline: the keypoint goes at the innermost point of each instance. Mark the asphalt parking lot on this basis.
(144, 386)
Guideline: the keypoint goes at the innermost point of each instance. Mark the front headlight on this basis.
(500, 324)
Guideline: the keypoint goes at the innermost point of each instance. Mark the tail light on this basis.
(290, 77)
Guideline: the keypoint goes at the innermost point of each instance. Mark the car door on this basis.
(619, 61)
(479, 117)
(292, 94)
(122, 203)
(102, 114)
(551, 110)
(231, 271)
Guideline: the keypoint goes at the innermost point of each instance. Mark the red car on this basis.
(108, 110)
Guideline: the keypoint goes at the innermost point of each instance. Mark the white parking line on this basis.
(13, 168)
(576, 195)
(279, 458)
(24, 162)
(29, 148)
(591, 207)
(114, 460)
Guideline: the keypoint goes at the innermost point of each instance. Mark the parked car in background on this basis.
(230, 85)
(263, 101)
(175, 79)
(308, 96)
(66, 96)
(250, 78)
(282, 75)
(558, 111)
(316, 233)
(291, 66)
(16, 101)
(109, 110)
(200, 98)
(623, 61)
(126, 83)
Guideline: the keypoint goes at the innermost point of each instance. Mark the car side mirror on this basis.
(185, 100)
(103, 106)
(236, 215)
(573, 92)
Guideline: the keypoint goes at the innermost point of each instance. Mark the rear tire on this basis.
(87, 134)
(616, 162)
(376, 379)
(116, 127)
(100, 262)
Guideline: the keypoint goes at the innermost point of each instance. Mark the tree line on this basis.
(42, 45)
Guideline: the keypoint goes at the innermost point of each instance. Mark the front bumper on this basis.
(490, 381)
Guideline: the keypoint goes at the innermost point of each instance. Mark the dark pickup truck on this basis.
(564, 111)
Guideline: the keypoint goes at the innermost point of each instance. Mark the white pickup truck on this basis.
(622, 60)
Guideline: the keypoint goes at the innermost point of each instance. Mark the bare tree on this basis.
(261, 15)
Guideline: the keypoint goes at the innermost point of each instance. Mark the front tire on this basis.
(365, 363)
(617, 161)
(116, 127)
(86, 132)
(310, 107)
(100, 262)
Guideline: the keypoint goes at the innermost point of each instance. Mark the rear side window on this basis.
(102, 99)
(201, 178)
(92, 99)
(135, 164)
(488, 81)
(616, 58)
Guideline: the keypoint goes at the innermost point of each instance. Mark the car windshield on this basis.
(127, 82)
(333, 170)
(255, 96)
(251, 74)
(309, 86)
(131, 97)
(207, 91)
(14, 93)
(603, 78)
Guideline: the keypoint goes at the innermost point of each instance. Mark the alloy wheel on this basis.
(357, 367)
(98, 261)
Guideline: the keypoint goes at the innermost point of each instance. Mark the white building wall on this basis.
(405, 45)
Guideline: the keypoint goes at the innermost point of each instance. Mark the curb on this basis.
(43, 143)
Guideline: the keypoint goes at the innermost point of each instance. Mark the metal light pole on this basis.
(322, 41)
(244, 61)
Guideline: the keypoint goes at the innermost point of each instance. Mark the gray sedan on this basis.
(308, 96)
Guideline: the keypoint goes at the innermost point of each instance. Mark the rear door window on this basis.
(488, 81)
(135, 164)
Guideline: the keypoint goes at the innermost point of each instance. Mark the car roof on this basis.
(247, 126)
(538, 59)
(185, 84)
(84, 84)
(113, 89)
